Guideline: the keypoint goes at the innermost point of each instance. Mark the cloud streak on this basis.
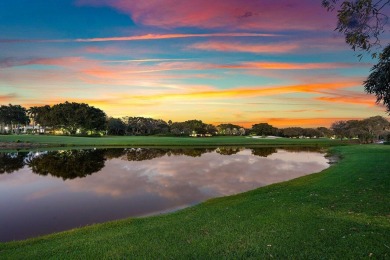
(250, 48)
(61, 61)
(250, 92)
(145, 37)
(293, 65)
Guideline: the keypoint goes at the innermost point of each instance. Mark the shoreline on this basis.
(341, 207)
(32, 142)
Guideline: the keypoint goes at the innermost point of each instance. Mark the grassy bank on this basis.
(157, 141)
(342, 212)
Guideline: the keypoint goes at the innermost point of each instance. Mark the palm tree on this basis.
(32, 112)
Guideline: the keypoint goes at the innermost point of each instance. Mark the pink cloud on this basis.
(168, 36)
(146, 37)
(296, 66)
(252, 48)
(232, 14)
(102, 50)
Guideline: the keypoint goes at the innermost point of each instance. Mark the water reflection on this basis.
(56, 190)
(264, 152)
(10, 162)
(229, 150)
(67, 164)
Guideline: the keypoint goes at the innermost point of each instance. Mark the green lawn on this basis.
(159, 141)
(340, 213)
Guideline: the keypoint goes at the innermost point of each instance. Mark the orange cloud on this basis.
(7, 98)
(252, 48)
(367, 100)
(251, 92)
(292, 66)
(300, 66)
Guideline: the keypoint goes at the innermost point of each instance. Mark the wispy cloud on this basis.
(61, 61)
(250, 92)
(293, 65)
(102, 50)
(145, 37)
(144, 60)
(367, 100)
(250, 48)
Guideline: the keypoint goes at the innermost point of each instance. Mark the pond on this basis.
(42, 192)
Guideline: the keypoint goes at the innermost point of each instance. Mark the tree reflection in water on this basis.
(142, 154)
(264, 151)
(70, 164)
(229, 150)
(67, 164)
(10, 162)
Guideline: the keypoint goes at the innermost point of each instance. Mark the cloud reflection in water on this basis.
(120, 188)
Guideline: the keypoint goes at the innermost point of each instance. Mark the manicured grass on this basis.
(340, 213)
(159, 141)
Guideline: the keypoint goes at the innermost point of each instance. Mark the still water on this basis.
(42, 192)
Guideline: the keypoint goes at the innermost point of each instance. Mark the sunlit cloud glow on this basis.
(218, 61)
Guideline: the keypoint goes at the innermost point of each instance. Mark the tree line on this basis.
(366, 131)
(70, 118)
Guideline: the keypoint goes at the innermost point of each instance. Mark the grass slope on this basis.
(158, 141)
(342, 212)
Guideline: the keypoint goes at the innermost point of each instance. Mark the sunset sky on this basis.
(221, 61)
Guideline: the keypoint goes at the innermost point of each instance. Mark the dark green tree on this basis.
(325, 132)
(74, 117)
(311, 133)
(264, 129)
(32, 112)
(116, 126)
(192, 127)
(13, 116)
(378, 82)
(292, 132)
(43, 117)
(340, 129)
(230, 129)
(145, 126)
(362, 22)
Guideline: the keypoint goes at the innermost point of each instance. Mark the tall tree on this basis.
(264, 129)
(362, 22)
(13, 115)
(116, 126)
(230, 129)
(378, 82)
(32, 112)
(74, 117)
(43, 117)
